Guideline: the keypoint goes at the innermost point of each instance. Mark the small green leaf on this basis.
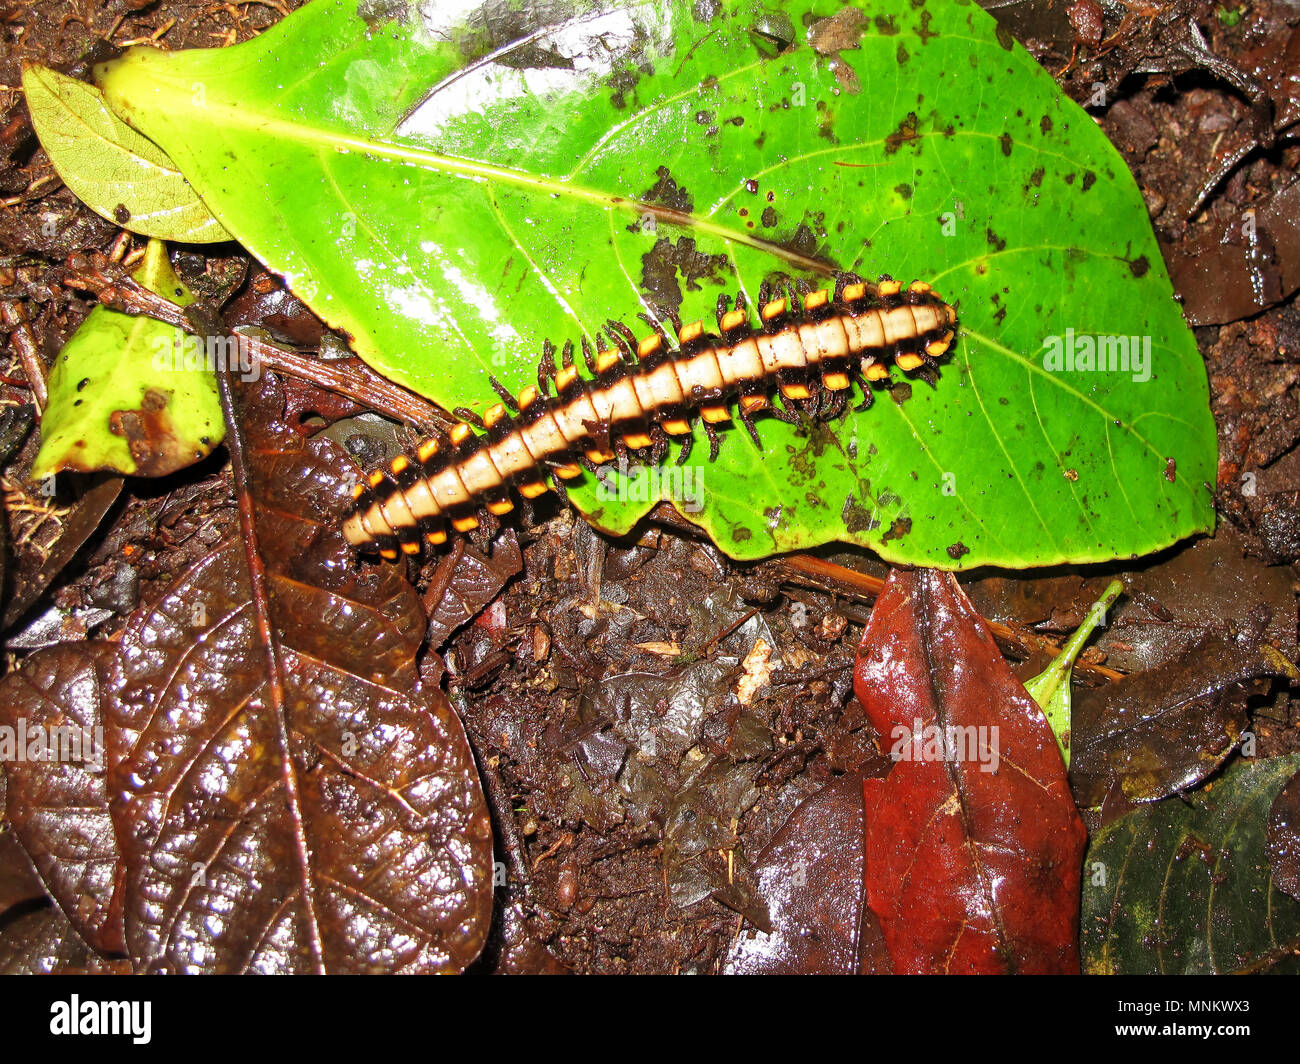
(111, 168)
(1184, 886)
(132, 394)
(1051, 687)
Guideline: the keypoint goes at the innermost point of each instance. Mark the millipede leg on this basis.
(546, 368)
(868, 396)
(659, 445)
(468, 415)
(782, 413)
(624, 339)
(714, 443)
(748, 421)
(503, 393)
(838, 401)
(688, 441)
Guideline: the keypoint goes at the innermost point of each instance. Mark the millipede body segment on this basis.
(808, 351)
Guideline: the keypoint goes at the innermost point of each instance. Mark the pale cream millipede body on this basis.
(641, 394)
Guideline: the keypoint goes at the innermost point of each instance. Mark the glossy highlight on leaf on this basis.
(451, 189)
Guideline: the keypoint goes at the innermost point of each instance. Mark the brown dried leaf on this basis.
(42, 942)
(810, 878)
(322, 814)
(1162, 731)
(59, 806)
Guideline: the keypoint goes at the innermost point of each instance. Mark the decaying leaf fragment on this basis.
(132, 394)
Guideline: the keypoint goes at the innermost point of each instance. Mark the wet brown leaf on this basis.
(973, 845)
(1254, 266)
(319, 814)
(1162, 731)
(810, 878)
(18, 880)
(42, 942)
(58, 804)
(36, 570)
(284, 793)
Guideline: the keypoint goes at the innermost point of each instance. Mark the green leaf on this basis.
(453, 189)
(1186, 886)
(132, 394)
(1051, 687)
(116, 172)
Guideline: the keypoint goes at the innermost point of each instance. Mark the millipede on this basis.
(802, 357)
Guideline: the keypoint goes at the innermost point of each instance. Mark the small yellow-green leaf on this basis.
(1051, 687)
(115, 171)
(131, 394)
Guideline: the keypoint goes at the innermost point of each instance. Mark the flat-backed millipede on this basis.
(639, 395)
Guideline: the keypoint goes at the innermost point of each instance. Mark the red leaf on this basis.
(973, 852)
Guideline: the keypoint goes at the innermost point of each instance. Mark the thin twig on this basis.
(348, 377)
(20, 332)
(821, 573)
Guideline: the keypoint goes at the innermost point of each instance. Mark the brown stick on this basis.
(820, 573)
(349, 377)
(14, 317)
